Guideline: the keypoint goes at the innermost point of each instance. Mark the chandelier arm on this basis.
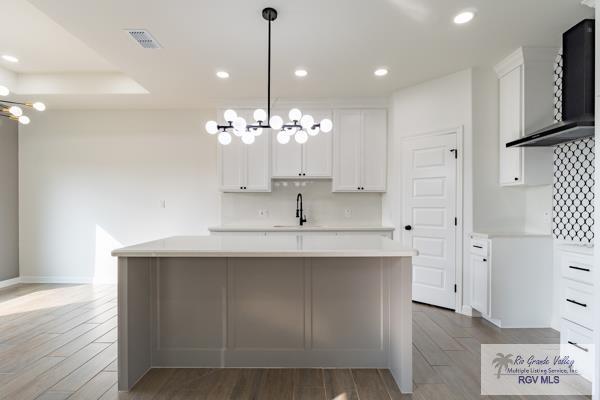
(16, 102)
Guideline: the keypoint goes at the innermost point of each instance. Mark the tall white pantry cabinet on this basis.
(526, 93)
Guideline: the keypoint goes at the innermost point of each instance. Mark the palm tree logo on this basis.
(502, 361)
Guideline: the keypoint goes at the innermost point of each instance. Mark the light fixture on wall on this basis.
(300, 126)
(13, 110)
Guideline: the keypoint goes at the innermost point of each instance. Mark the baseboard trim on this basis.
(10, 282)
(57, 279)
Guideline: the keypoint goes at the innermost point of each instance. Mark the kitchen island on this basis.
(288, 301)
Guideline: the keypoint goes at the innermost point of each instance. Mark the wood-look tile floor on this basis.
(60, 342)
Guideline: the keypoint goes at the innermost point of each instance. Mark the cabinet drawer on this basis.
(577, 302)
(578, 267)
(479, 247)
(577, 342)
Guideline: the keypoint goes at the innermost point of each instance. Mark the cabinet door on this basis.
(479, 284)
(258, 164)
(317, 152)
(511, 126)
(286, 158)
(347, 133)
(374, 150)
(232, 160)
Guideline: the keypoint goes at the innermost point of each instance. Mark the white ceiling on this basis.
(339, 42)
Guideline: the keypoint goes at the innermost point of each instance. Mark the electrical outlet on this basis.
(263, 213)
(347, 213)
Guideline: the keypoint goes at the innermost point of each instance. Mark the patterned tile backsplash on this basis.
(573, 192)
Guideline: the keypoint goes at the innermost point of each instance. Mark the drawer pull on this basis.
(578, 346)
(576, 302)
(477, 247)
(579, 268)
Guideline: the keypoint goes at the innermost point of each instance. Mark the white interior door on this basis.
(429, 212)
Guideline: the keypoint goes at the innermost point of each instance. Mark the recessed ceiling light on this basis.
(381, 72)
(9, 58)
(223, 74)
(301, 73)
(464, 17)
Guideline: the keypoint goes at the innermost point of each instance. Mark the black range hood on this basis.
(578, 91)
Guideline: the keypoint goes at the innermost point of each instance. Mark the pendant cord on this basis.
(269, 79)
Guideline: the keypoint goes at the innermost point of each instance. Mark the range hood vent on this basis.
(144, 38)
(577, 94)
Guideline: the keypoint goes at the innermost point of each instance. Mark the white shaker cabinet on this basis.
(502, 269)
(246, 167)
(312, 159)
(525, 87)
(360, 151)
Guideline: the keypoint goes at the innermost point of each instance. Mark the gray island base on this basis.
(277, 302)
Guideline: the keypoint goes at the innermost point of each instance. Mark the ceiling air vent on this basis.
(144, 38)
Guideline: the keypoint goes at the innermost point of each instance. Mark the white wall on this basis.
(9, 200)
(467, 99)
(438, 105)
(94, 180)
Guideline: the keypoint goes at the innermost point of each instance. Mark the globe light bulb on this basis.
(326, 125)
(238, 133)
(257, 131)
(313, 131)
(4, 91)
(38, 105)
(230, 115)
(248, 138)
(307, 121)
(16, 111)
(301, 137)
(276, 122)
(295, 114)
(239, 124)
(211, 127)
(24, 119)
(260, 115)
(283, 137)
(224, 138)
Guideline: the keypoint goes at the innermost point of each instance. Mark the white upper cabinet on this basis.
(525, 84)
(246, 167)
(311, 160)
(360, 151)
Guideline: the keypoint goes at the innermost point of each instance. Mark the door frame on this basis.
(459, 250)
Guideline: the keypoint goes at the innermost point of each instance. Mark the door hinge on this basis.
(455, 221)
(455, 151)
(455, 289)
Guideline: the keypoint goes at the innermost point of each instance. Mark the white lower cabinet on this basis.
(577, 306)
(503, 269)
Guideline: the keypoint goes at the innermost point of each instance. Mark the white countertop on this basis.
(304, 228)
(263, 246)
(490, 235)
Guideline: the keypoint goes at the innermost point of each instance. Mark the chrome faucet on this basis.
(299, 210)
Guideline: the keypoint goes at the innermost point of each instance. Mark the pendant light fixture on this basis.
(299, 126)
(13, 110)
